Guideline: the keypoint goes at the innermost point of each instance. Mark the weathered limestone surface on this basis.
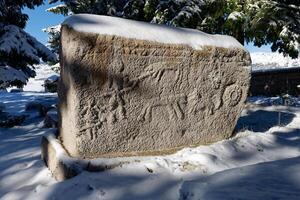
(121, 97)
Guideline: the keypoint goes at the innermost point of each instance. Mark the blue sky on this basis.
(39, 19)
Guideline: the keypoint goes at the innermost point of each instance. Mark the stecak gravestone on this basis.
(134, 88)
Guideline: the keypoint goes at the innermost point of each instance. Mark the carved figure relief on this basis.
(112, 108)
(156, 72)
(215, 76)
(173, 105)
(115, 110)
(195, 102)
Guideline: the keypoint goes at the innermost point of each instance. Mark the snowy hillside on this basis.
(43, 71)
(261, 60)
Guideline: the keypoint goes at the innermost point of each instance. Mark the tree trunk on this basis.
(240, 35)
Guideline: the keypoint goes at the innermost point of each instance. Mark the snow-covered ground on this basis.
(263, 61)
(261, 161)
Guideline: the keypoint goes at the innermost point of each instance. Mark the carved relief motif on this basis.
(162, 75)
(174, 105)
(110, 108)
(151, 50)
(232, 95)
(163, 78)
(195, 102)
(215, 76)
(116, 104)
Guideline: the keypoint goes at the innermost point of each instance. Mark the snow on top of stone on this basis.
(147, 31)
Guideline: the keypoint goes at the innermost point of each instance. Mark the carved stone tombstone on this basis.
(123, 95)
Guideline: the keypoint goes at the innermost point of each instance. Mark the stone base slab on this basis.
(63, 167)
(57, 160)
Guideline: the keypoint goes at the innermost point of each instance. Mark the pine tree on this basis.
(19, 51)
(172, 12)
(262, 22)
(180, 13)
(100, 7)
(275, 22)
(53, 38)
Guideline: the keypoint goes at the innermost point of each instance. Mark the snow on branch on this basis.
(16, 41)
(18, 52)
(59, 9)
(53, 37)
(11, 76)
